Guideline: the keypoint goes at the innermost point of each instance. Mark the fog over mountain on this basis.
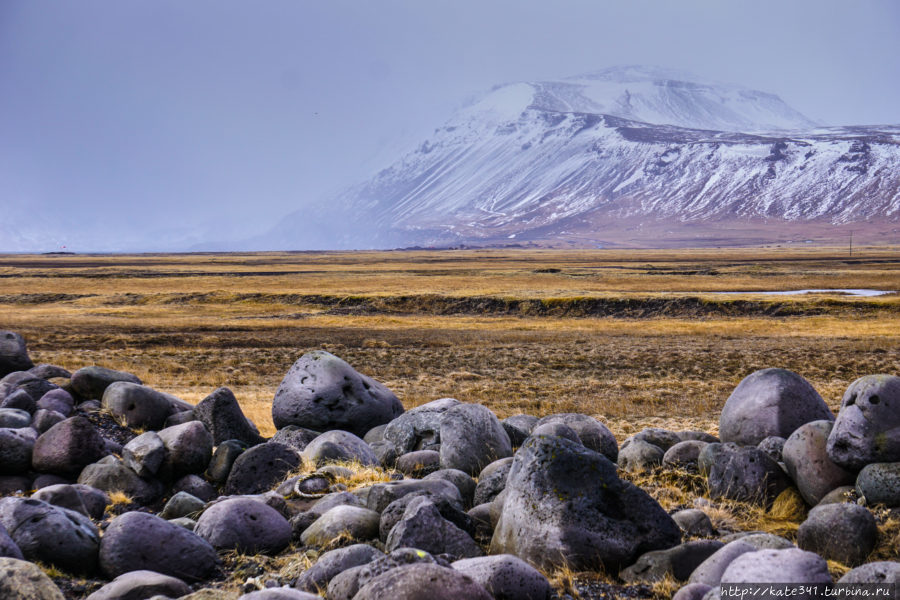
(172, 126)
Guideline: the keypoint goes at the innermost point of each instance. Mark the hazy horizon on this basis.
(156, 126)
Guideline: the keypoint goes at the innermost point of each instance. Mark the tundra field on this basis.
(635, 338)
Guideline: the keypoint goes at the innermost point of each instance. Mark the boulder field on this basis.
(110, 489)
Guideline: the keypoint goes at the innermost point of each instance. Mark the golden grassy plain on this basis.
(634, 338)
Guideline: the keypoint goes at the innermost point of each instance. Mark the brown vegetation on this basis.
(636, 338)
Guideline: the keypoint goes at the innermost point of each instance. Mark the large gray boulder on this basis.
(564, 504)
(422, 581)
(244, 524)
(339, 446)
(867, 429)
(68, 447)
(136, 585)
(808, 464)
(136, 541)
(138, 406)
(16, 447)
(322, 392)
(592, 433)
(506, 577)
(260, 468)
(51, 534)
(223, 417)
(843, 532)
(746, 474)
(770, 402)
(91, 382)
(13, 353)
(472, 438)
(879, 483)
(419, 428)
(26, 581)
(422, 526)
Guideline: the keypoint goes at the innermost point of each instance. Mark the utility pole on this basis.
(851, 243)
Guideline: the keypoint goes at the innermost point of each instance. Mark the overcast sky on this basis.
(147, 116)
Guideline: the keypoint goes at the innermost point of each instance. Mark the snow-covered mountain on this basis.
(630, 155)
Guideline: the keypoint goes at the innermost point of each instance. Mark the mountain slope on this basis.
(524, 164)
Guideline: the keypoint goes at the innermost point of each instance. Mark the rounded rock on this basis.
(16, 447)
(260, 468)
(13, 418)
(353, 521)
(91, 382)
(790, 565)
(519, 428)
(339, 446)
(422, 581)
(137, 541)
(867, 428)
(683, 454)
(223, 417)
(141, 584)
(808, 464)
(13, 353)
(565, 503)
(492, 480)
(25, 581)
(638, 456)
(68, 447)
(592, 433)
(51, 534)
(879, 483)
(59, 400)
(245, 525)
(472, 438)
(843, 532)
(323, 392)
(770, 402)
(188, 449)
(506, 577)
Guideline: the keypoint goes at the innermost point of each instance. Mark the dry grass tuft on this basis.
(666, 587)
(119, 498)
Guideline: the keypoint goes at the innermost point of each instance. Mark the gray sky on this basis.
(144, 116)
